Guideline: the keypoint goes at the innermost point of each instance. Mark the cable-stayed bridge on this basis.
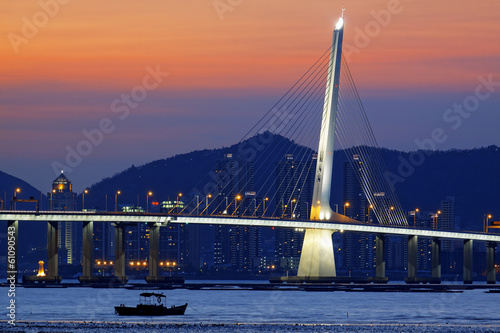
(322, 109)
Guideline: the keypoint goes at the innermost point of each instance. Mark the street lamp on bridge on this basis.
(346, 205)
(369, 207)
(238, 197)
(227, 206)
(83, 198)
(264, 211)
(486, 220)
(435, 219)
(390, 210)
(51, 204)
(292, 215)
(177, 203)
(206, 202)
(14, 199)
(116, 200)
(147, 201)
(197, 204)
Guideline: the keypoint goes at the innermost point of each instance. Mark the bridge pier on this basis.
(412, 259)
(52, 264)
(120, 251)
(88, 233)
(154, 251)
(316, 259)
(491, 273)
(436, 258)
(380, 258)
(468, 247)
(12, 249)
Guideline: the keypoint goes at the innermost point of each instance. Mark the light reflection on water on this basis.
(248, 306)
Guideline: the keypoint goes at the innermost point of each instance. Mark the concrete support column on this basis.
(88, 237)
(52, 265)
(491, 273)
(119, 251)
(468, 246)
(316, 259)
(380, 257)
(412, 258)
(12, 250)
(436, 258)
(154, 250)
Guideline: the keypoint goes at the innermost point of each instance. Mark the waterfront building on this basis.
(69, 235)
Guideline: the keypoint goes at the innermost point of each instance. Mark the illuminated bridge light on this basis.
(41, 271)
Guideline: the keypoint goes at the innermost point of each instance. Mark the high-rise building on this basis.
(355, 202)
(179, 243)
(172, 206)
(446, 221)
(234, 178)
(423, 220)
(294, 191)
(173, 244)
(294, 187)
(192, 259)
(235, 247)
(359, 249)
(137, 242)
(69, 244)
(104, 241)
(245, 247)
(288, 245)
(397, 253)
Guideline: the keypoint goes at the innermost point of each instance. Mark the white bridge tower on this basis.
(317, 258)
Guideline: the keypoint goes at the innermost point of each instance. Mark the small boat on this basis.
(151, 304)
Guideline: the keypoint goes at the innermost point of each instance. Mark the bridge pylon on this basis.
(317, 259)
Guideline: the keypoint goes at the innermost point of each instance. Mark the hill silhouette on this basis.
(471, 176)
(29, 232)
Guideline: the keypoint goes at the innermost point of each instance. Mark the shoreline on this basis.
(115, 326)
(312, 287)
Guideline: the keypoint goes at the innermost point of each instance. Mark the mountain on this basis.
(188, 173)
(28, 231)
(471, 176)
(421, 179)
(9, 184)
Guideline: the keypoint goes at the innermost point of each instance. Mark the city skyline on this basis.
(226, 68)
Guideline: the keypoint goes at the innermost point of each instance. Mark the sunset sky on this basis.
(228, 61)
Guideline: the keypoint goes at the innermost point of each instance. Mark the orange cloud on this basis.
(258, 45)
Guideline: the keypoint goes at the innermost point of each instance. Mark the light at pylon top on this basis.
(339, 24)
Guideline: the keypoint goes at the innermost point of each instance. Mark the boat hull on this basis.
(151, 310)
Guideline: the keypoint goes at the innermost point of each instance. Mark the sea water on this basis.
(471, 307)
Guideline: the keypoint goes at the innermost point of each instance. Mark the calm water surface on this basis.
(248, 306)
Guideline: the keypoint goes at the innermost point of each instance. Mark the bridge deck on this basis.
(77, 216)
